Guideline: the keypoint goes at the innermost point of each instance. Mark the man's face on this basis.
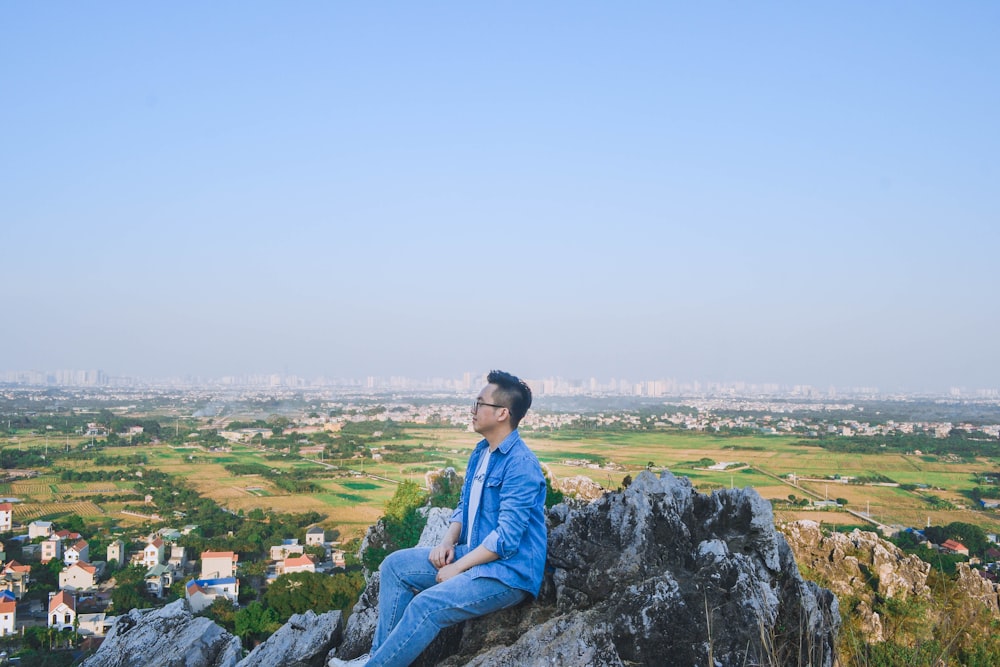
(486, 416)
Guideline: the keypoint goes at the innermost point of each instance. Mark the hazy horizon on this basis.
(774, 193)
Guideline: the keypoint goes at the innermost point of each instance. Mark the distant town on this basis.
(469, 381)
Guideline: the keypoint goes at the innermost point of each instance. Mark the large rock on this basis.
(872, 574)
(580, 486)
(166, 637)
(848, 563)
(657, 574)
(304, 641)
(860, 566)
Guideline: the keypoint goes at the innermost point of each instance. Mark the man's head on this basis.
(512, 393)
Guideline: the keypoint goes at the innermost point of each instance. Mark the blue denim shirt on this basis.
(511, 518)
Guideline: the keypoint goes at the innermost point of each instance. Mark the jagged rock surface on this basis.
(864, 568)
(580, 486)
(849, 562)
(657, 574)
(166, 637)
(859, 565)
(304, 641)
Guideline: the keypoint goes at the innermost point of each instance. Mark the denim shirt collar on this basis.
(505, 444)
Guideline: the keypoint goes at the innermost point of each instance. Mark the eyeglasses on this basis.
(478, 404)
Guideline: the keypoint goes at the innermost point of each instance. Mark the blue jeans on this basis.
(413, 607)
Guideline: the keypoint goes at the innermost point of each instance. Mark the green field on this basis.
(355, 490)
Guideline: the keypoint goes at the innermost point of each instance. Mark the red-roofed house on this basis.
(62, 610)
(152, 555)
(79, 551)
(218, 564)
(15, 578)
(6, 517)
(66, 535)
(298, 564)
(80, 576)
(955, 547)
(8, 617)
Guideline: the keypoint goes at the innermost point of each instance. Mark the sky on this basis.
(771, 192)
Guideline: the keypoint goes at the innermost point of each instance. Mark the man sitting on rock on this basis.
(493, 554)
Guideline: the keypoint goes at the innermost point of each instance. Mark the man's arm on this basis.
(477, 556)
(444, 553)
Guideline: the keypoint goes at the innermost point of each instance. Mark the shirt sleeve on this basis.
(519, 494)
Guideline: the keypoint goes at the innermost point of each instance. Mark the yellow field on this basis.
(350, 504)
(26, 512)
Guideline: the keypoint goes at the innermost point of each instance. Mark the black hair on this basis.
(512, 392)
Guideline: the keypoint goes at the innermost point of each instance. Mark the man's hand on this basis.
(442, 555)
(447, 572)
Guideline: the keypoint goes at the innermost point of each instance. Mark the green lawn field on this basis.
(354, 491)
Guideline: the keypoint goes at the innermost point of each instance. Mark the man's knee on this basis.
(403, 560)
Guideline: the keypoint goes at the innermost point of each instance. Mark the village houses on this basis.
(79, 551)
(80, 576)
(15, 579)
(218, 579)
(8, 615)
(152, 555)
(6, 517)
(62, 610)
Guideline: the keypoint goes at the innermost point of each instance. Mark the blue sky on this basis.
(767, 192)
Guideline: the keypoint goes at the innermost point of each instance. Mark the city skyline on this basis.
(470, 380)
(781, 194)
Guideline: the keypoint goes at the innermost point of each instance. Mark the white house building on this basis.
(218, 564)
(80, 576)
(6, 517)
(201, 593)
(159, 578)
(287, 548)
(315, 537)
(52, 549)
(8, 616)
(178, 557)
(79, 551)
(62, 610)
(117, 553)
(298, 564)
(152, 555)
(39, 529)
(95, 625)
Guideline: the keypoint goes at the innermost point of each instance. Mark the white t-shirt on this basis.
(476, 493)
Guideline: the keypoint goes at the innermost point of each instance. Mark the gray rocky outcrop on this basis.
(867, 572)
(580, 486)
(304, 641)
(656, 574)
(173, 637)
(166, 637)
(859, 565)
(848, 563)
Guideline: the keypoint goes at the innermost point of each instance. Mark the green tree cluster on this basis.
(401, 525)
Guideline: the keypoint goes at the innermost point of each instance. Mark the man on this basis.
(493, 554)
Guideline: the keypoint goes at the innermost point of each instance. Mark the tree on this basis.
(553, 496)
(130, 590)
(298, 592)
(255, 621)
(222, 612)
(402, 523)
